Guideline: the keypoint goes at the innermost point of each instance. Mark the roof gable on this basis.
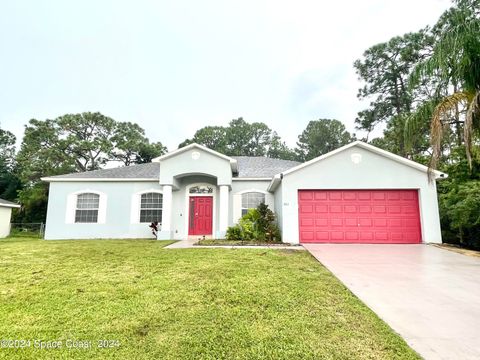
(362, 145)
(190, 147)
(373, 149)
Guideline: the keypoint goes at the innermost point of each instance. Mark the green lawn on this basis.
(182, 303)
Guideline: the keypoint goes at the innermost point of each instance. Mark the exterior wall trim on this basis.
(214, 208)
(135, 205)
(72, 202)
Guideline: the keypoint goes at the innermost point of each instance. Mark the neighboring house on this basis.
(5, 216)
(355, 194)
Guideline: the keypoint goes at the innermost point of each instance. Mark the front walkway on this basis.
(430, 296)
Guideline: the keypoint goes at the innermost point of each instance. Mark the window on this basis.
(251, 200)
(151, 207)
(86, 210)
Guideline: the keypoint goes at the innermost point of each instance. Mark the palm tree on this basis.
(455, 61)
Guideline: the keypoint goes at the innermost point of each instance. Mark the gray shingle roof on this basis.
(248, 167)
(261, 167)
(140, 171)
(6, 203)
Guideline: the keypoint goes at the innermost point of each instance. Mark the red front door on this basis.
(200, 215)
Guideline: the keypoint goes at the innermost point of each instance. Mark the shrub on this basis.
(234, 233)
(256, 225)
(460, 214)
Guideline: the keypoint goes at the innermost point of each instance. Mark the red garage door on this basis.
(359, 216)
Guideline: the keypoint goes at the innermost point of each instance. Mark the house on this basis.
(355, 194)
(5, 216)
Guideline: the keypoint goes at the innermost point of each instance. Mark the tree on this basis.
(385, 69)
(278, 149)
(241, 138)
(75, 143)
(247, 139)
(321, 136)
(130, 146)
(9, 181)
(148, 151)
(455, 59)
(213, 137)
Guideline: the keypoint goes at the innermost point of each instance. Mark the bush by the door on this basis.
(256, 225)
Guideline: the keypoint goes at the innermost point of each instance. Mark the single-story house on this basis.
(5, 216)
(355, 194)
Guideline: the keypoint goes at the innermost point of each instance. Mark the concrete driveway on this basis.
(430, 296)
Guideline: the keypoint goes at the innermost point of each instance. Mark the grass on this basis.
(182, 303)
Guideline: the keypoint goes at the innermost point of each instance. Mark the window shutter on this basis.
(237, 207)
(135, 209)
(102, 209)
(70, 209)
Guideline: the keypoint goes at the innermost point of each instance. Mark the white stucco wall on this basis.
(5, 215)
(278, 199)
(121, 207)
(118, 220)
(206, 164)
(373, 172)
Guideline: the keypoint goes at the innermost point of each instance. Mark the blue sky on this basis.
(176, 66)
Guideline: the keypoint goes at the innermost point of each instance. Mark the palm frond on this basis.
(472, 112)
(440, 119)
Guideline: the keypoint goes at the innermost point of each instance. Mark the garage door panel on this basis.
(351, 222)
(336, 195)
(381, 236)
(364, 195)
(380, 223)
(306, 195)
(322, 235)
(307, 235)
(321, 222)
(337, 235)
(380, 209)
(368, 216)
(351, 235)
(350, 209)
(321, 209)
(336, 222)
(304, 222)
(320, 195)
(306, 209)
(365, 209)
(366, 236)
(349, 195)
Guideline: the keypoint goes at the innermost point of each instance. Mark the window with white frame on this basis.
(151, 205)
(86, 210)
(251, 200)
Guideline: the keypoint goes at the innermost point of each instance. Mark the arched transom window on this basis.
(151, 205)
(86, 210)
(251, 200)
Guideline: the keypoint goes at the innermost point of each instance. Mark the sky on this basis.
(176, 66)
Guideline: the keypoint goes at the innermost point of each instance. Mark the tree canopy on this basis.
(320, 137)
(241, 138)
